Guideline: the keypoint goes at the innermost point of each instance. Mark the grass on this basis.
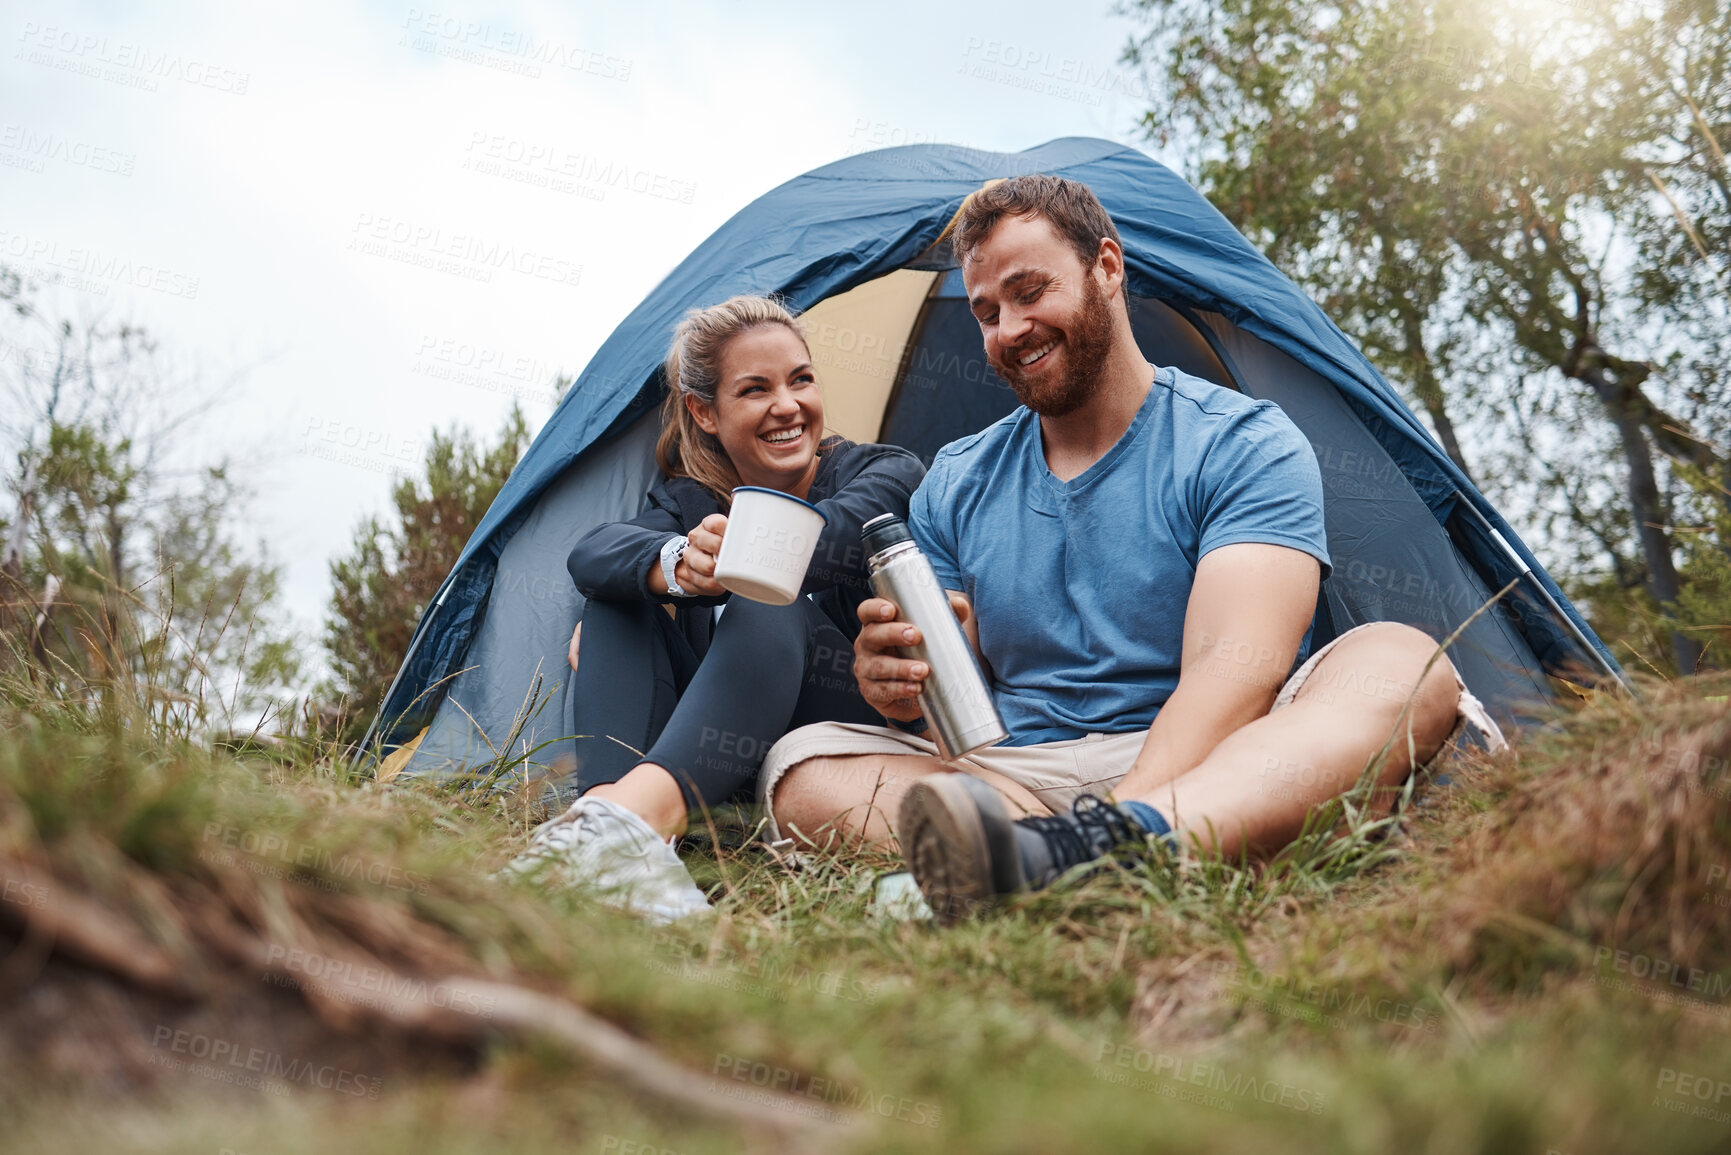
(1469, 978)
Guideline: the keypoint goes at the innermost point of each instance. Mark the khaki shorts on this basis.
(1056, 773)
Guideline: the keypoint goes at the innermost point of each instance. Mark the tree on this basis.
(1471, 189)
(120, 580)
(384, 584)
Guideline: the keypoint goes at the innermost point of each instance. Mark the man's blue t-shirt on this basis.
(1080, 586)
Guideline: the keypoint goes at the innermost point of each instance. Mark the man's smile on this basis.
(1029, 358)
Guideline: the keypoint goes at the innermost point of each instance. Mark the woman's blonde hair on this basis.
(694, 367)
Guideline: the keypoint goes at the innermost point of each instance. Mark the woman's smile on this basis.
(768, 412)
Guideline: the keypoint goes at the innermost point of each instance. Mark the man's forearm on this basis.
(1189, 726)
(1242, 627)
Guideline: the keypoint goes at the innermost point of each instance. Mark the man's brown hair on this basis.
(1071, 207)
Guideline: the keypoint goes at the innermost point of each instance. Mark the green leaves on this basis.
(394, 569)
(124, 588)
(1468, 188)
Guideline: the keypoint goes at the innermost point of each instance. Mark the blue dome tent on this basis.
(859, 246)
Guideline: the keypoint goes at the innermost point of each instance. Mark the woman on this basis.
(704, 692)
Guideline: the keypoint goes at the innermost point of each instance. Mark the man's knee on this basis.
(829, 796)
(827, 776)
(1421, 667)
(1394, 664)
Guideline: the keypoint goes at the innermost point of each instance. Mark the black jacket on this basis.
(854, 484)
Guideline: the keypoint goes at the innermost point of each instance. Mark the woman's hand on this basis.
(695, 572)
(571, 651)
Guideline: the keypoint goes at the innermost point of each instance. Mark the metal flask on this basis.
(956, 700)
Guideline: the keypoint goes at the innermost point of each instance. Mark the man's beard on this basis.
(1087, 344)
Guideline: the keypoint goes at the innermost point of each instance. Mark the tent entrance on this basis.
(944, 388)
(899, 360)
(860, 244)
(1394, 561)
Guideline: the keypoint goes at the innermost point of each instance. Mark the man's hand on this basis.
(695, 572)
(571, 651)
(889, 682)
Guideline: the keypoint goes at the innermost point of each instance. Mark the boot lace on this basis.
(1092, 829)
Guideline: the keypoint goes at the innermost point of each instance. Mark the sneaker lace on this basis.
(1091, 829)
(572, 828)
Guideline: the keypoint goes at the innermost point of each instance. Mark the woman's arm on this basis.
(694, 572)
(882, 481)
(621, 561)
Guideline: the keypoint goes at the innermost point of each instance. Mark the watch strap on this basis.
(671, 551)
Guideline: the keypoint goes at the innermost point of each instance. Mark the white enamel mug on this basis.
(768, 545)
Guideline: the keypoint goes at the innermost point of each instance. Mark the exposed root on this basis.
(351, 961)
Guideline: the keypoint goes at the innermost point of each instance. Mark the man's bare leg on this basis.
(1253, 791)
(1255, 788)
(847, 800)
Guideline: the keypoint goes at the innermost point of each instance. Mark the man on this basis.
(1136, 555)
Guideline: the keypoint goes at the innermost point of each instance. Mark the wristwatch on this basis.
(671, 551)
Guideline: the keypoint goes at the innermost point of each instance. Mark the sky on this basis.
(307, 204)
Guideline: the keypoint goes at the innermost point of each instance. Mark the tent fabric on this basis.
(858, 339)
(878, 215)
(1394, 561)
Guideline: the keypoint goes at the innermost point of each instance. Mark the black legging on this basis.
(709, 721)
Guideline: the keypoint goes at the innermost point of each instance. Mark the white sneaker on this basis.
(601, 844)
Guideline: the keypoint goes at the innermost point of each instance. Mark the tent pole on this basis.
(1557, 610)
